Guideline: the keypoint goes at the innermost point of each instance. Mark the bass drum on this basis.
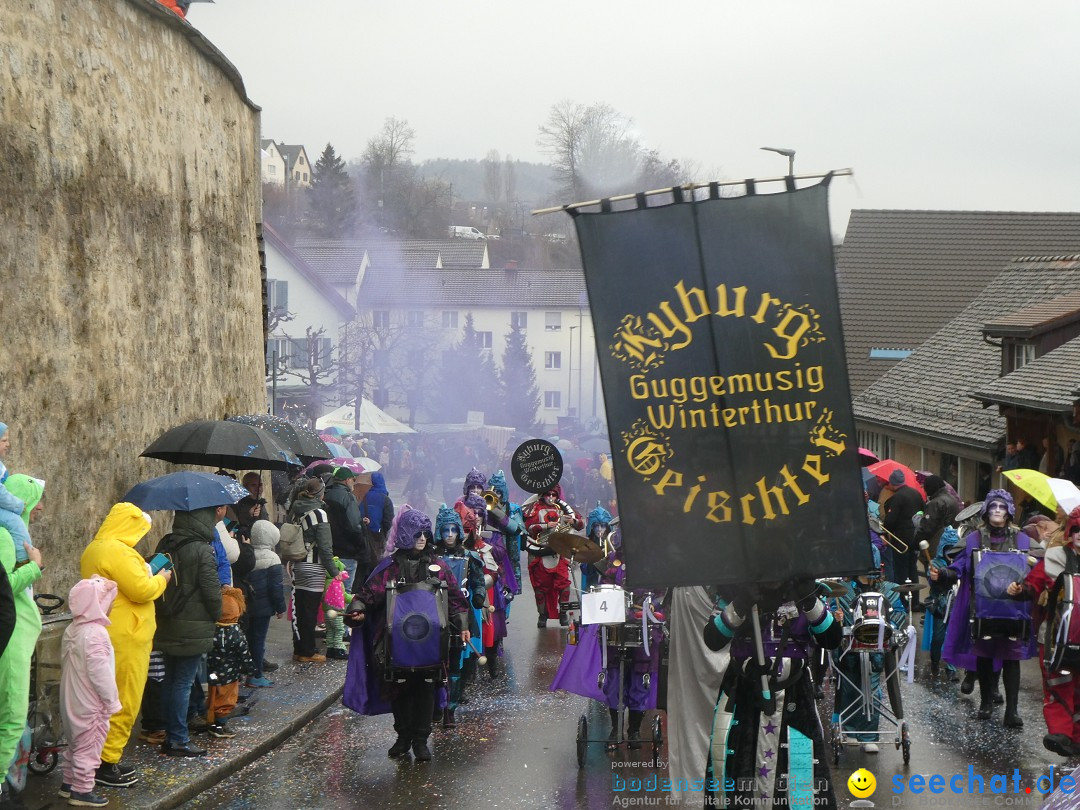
(1062, 641)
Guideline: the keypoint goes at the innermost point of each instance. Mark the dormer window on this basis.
(1022, 354)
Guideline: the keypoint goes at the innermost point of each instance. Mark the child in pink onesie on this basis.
(88, 695)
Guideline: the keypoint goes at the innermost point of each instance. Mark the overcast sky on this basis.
(934, 105)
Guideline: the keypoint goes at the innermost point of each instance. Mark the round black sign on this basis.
(536, 465)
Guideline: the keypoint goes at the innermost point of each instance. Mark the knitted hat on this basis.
(474, 478)
(999, 496)
(933, 484)
(409, 523)
(897, 478)
(475, 502)
(447, 517)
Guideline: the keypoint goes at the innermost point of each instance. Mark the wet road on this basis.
(515, 747)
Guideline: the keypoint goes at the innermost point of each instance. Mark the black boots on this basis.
(1058, 743)
(448, 719)
(421, 751)
(613, 735)
(968, 684)
(633, 731)
(542, 621)
(401, 747)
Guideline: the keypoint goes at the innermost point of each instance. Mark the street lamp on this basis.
(570, 369)
(788, 153)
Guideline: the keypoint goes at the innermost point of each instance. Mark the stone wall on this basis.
(130, 294)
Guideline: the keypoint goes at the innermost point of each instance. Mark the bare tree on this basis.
(392, 147)
(311, 362)
(592, 148)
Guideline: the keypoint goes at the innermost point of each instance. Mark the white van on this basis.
(465, 232)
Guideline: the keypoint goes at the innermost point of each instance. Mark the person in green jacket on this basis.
(186, 618)
(15, 661)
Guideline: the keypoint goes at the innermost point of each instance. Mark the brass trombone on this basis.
(891, 540)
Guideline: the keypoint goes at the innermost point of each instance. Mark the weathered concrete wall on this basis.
(130, 296)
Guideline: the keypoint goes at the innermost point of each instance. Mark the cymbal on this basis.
(968, 512)
(911, 587)
(834, 587)
(581, 548)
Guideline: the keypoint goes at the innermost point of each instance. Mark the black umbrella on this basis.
(221, 444)
(303, 441)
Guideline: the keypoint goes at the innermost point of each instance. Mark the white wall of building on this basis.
(273, 166)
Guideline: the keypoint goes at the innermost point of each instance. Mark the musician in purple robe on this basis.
(1003, 642)
(368, 683)
(583, 662)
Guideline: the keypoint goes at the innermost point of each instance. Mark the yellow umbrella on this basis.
(1035, 484)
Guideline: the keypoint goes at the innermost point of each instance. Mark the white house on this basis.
(550, 306)
(273, 164)
(297, 165)
(293, 287)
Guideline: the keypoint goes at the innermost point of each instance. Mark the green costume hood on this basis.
(28, 490)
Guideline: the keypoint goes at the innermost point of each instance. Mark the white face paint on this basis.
(998, 513)
(1074, 538)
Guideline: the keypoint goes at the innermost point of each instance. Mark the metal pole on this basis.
(273, 383)
(570, 370)
(580, 335)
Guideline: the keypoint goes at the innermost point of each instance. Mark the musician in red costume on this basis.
(548, 572)
(1061, 690)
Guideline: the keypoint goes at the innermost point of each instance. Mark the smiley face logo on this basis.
(862, 784)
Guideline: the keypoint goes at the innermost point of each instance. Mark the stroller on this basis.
(42, 740)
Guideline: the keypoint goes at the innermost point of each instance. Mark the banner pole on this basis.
(689, 187)
(769, 707)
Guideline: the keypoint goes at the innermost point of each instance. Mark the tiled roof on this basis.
(903, 274)
(290, 151)
(1042, 317)
(555, 289)
(1046, 384)
(928, 393)
(302, 267)
(338, 260)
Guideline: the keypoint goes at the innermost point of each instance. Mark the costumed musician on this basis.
(637, 644)
(598, 528)
(507, 519)
(767, 745)
(497, 576)
(939, 604)
(857, 726)
(468, 570)
(1060, 678)
(989, 626)
(548, 572)
(386, 664)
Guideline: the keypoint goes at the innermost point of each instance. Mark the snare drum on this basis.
(995, 614)
(871, 629)
(605, 604)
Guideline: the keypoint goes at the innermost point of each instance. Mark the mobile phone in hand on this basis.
(159, 563)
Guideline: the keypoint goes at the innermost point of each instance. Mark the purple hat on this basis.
(999, 496)
(897, 478)
(410, 522)
(472, 479)
(475, 502)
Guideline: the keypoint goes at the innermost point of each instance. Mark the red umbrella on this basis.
(867, 457)
(883, 469)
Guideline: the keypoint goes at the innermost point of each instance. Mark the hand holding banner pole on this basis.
(768, 700)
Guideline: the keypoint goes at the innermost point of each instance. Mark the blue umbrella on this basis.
(185, 491)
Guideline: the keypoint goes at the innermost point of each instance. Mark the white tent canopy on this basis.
(372, 419)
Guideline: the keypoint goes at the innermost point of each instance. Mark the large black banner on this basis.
(722, 360)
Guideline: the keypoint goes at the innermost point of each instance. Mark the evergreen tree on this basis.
(519, 394)
(469, 379)
(331, 196)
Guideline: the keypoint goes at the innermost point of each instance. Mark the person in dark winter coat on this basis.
(901, 507)
(267, 594)
(309, 575)
(187, 617)
(377, 515)
(940, 511)
(346, 524)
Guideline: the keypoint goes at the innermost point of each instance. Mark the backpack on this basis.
(292, 546)
(172, 602)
